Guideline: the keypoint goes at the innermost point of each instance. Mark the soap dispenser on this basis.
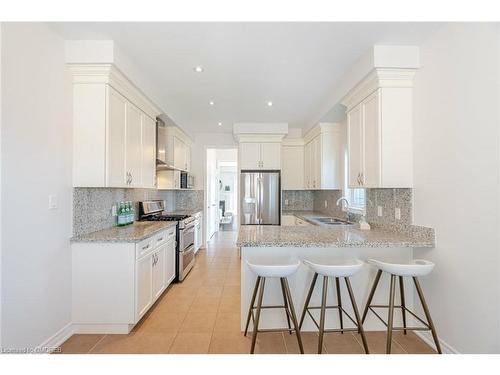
(363, 224)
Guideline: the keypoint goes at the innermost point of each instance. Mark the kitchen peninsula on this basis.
(275, 244)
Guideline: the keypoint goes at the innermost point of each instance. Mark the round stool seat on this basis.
(335, 269)
(278, 269)
(416, 267)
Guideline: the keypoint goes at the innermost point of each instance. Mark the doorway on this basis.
(221, 190)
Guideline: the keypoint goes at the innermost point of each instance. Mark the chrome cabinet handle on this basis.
(362, 179)
(145, 247)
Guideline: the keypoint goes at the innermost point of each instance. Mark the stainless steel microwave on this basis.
(187, 180)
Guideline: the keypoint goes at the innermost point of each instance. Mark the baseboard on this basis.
(56, 340)
(445, 347)
(111, 329)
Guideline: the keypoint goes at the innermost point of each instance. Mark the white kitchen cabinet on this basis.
(169, 261)
(115, 283)
(158, 264)
(144, 284)
(292, 172)
(133, 148)
(379, 130)
(178, 149)
(148, 152)
(168, 179)
(116, 141)
(250, 155)
(112, 135)
(198, 232)
(256, 155)
(322, 157)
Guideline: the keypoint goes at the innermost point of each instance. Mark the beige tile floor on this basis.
(202, 315)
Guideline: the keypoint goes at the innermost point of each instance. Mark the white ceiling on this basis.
(295, 65)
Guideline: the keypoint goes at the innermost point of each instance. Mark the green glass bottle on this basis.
(127, 213)
(121, 214)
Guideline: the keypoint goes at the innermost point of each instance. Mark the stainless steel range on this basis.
(185, 251)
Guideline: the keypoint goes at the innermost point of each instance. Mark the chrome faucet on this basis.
(339, 204)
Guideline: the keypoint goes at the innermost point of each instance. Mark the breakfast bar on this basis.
(325, 244)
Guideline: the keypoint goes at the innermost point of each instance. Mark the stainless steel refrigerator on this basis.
(260, 198)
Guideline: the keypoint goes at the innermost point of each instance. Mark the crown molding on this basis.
(379, 78)
(109, 74)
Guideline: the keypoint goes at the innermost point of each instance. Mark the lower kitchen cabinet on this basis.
(116, 283)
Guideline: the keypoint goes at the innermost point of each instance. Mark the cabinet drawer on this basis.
(144, 247)
(160, 239)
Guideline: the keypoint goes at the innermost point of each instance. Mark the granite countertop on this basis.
(135, 232)
(329, 236)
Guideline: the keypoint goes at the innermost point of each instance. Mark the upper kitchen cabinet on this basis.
(114, 133)
(379, 130)
(260, 155)
(322, 157)
(292, 168)
(177, 149)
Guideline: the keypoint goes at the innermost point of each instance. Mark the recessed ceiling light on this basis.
(198, 69)
(269, 104)
(211, 103)
(220, 123)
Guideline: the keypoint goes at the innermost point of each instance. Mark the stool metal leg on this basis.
(255, 289)
(284, 282)
(322, 316)
(356, 314)
(390, 314)
(339, 302)
(370, 296)
(285, 302)
(427, 314)
(257, 315)
(308, 299)
(403, 305)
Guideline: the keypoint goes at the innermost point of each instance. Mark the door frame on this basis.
(205, 182)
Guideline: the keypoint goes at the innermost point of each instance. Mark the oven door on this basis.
(186, 262)
(187, 237)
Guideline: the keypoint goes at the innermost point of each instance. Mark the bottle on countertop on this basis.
(132, 212)
(121, 218)
(127, 213)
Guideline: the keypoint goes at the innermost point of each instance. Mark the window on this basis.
(356, 197)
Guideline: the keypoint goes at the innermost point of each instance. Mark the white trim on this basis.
(57, 339)
(103, 328)
(427, 338)
(377, 78)
(109, 74)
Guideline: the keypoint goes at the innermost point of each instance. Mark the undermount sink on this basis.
(332, 221)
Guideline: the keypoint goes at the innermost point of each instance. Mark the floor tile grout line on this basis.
(98, 341)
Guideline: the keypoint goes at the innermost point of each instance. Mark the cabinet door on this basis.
(316, 162)
(354, 145)
(116, 138)
(250, 155)
(292, 173)
(134, 145)
(148, 152)
(271, 155)
(307, 165)
(371, 140)
(179, 153)
(144, 286)
(169, 262)
(187, 158)
(158, 272)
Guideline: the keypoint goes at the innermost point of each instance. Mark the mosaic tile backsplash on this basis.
(297, 200)
(92, 206)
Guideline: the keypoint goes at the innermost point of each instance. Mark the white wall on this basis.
(36, 161)
(456, 161)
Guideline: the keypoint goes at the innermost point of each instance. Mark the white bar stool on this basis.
(414, 269)
(335, 270)
(264, 271)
